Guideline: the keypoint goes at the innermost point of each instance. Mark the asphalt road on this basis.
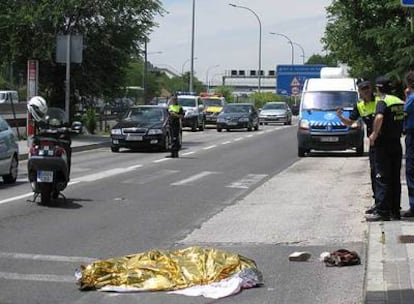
(246, 192)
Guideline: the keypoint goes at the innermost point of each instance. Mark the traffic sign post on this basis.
(290, 78)
(409, 3)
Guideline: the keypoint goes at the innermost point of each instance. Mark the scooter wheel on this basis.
(45, 194)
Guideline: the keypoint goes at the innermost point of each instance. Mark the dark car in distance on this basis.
(238, 116)
(143, 126)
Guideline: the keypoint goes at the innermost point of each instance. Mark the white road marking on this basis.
(246, 182)
(226, 143)
(238, 138)
(103, 174)
(161, 160)
(153, 176)
(193, 178)
(188, 153)
(46, 257)
(10, 199)
(134, 167)
(37, 277)
(209, 147)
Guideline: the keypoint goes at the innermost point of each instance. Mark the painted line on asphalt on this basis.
(10, 199)
(188, 153)
(209, 147)
(134, 167)
(161, 160)
(104, 174)
(37, 277)
(193, 178)
(238, 139)
(246, 182)
(46, 257)
(226, 142)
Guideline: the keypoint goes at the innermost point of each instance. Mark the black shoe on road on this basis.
(408, 213)
(376, 217)
(371, 210)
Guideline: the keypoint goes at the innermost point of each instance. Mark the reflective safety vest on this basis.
(174, 108)
(396, 107)
(366, 109)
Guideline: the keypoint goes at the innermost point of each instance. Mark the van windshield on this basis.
(187, 102)
(328, 100)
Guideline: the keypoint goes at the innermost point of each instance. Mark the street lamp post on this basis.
(289, 41)
(182, 70)
(303, 51)
(192, 49)
(208, 70)
(259, 72)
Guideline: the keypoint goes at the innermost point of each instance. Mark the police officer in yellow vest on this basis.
(177, 113)
(386, 136)
(365, 109)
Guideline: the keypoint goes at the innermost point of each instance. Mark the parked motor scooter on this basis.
(49, 157)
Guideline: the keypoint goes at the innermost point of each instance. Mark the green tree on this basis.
(372, 37)
(113, 32)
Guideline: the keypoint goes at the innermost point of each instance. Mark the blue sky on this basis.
(229, 37)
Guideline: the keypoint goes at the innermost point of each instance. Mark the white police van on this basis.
(319, 128)
(194, 116)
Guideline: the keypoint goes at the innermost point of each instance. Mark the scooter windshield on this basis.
(56, 117)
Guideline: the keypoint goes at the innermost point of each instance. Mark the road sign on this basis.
(409, 3)
(290, 78)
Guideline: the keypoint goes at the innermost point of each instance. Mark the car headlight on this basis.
(154, 131)
(190, 113)
(220, 119)
(116, 132)
(244, 119)
(304, 124)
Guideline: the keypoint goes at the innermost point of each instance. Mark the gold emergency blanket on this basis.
(157, 270)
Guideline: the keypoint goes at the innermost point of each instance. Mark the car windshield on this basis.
(274, 106)
(144, 114)
(329, 100)
(212, 102)
(186, 102)
(234, 108)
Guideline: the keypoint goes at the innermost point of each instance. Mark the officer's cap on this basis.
(382, 81)
(364, 84)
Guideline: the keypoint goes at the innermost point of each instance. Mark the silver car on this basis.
(275, 112)
(9, 152)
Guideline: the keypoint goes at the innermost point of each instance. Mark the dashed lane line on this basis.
(193, 178)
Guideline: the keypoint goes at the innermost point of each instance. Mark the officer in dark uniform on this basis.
(177, 113)
(365, 109)
(386, 136)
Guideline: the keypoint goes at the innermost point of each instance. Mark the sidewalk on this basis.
(80, 142)
(390, 269)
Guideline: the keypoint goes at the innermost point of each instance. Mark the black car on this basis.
(238, 116)
(143, 126)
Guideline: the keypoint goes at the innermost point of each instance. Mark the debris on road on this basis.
(299, 256)
(172, 270)
(340, 257)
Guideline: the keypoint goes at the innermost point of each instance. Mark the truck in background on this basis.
(213, 104)
(7, 96)
(319, 128)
